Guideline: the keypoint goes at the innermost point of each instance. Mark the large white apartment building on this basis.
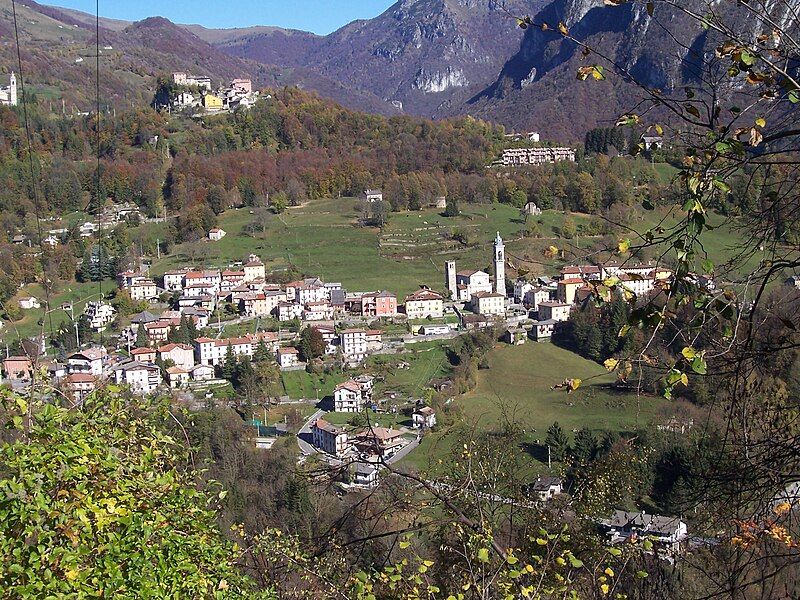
(537, 155)
(353, 343)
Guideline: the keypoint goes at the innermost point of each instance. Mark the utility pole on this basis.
(158, 248)
(549, 465)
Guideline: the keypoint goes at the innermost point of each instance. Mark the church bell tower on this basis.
(499, 265)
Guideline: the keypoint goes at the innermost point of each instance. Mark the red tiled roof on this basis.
(171, 347)
(349, 385)
(424, 295)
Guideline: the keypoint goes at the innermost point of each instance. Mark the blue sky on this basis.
(319, 16)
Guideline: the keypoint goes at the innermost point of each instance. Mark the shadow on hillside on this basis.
(535, 451)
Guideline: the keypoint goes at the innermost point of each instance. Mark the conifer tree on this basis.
(141, 337)
(557, 441)
(228, 370)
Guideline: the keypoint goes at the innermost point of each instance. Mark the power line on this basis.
(30, 160)
(97, 150)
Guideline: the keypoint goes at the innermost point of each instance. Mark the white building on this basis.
(488, 303)
(317, 311)
(353, 343)
(209, 351)
(372, 195)
(173, 280)
(177, 377)
(8, 95)
(29, 303)
(557, 311)
(143, 289)
(424, 418)
(287, 357)
(542, 330)
(347, 397)
(201, 81)
(424, 303)
(546, 488)
(329, 438)
(469, 283)
(499, 265)
(289, 310)
(181, 355)
(216, 234)
(88, 361)
(202, 372)
(100, 314)
(666, 531)
(142, 378)
(537, 155)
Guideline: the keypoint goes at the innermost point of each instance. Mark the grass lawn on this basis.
(321, 237)
(375, 419)
(299, 384)
(516, 387)
(426, 361)
(76, 292)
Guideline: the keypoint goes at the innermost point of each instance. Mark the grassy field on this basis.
(517, 388)
(321, 237)
(425, 361)
(302, 385)
(77, 293)
(375, 419)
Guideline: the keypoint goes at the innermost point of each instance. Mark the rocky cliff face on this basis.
(419, 53)
(537, 87)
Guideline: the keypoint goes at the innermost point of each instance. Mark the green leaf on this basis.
(642, 574)
(794, 96)
(747, 58)
(707, 266)
(721, 185)
(699, 365)
(483, 555)
(575, 562)
(614, 551)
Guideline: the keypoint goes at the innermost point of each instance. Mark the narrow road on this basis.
(304, 435)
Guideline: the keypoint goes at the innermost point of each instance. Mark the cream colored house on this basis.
(488, 303)
(424, 303)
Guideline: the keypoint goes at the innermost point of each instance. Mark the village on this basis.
(195, 92)
(354, 325)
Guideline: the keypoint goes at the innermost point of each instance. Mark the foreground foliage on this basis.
(94, 503)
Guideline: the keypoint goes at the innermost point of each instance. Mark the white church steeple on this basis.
(499, 265)
(13, 89)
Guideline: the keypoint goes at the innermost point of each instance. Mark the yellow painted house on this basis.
(212, 102)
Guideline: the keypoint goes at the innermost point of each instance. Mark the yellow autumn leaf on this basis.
(623, 246)
(609, 571)
(563, 28)
(573, 384)
(610, 364)
(761, 122)
(604, 588)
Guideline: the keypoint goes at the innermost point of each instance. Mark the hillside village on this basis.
(463, 300)
(194, 92)
(176, 345)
